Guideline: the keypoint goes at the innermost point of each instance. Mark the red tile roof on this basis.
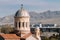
(9, 36)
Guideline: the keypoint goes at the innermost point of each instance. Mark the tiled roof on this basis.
(9, 36)
(6, 36)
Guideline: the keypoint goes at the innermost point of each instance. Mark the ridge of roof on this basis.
(9, 36)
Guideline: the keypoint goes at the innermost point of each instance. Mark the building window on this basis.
(23, 24)
(15, 24)
(19, 24)
(26, 24)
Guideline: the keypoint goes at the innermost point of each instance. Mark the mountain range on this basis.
(47, 17)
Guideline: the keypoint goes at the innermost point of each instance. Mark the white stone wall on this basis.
(31, 38)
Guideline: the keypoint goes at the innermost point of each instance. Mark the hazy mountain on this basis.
(7, 20)
(44, 17)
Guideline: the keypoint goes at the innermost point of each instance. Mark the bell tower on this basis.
(22, 21)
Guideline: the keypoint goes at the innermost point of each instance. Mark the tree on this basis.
(53, 37)
(6, 29)
(44, 38)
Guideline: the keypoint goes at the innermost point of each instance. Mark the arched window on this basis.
(19, 24)
(15, 24)
(23, 24)
(26, 24)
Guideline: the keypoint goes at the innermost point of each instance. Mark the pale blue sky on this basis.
(8, 7)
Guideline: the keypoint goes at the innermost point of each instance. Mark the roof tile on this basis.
(9, 36)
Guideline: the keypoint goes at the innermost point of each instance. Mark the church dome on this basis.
(22, 12)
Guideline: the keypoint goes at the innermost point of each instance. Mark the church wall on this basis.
(22, 19)
(31, 38)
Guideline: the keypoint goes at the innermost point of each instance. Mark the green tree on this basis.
(44, 38)
(53, 39)
(6, 29)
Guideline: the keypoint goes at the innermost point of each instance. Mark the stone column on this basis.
(28, 27)
(17, 25)
(28, 24)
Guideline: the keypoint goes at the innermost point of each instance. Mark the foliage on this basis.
(6, 29)
(53, 39)
(44, 38)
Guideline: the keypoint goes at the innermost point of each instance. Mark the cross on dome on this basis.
(22, 12)
(21, 6)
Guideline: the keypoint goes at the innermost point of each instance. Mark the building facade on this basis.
(22, 26)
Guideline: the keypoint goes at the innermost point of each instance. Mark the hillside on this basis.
(44, 17)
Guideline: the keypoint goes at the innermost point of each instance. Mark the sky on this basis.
(9, 7)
